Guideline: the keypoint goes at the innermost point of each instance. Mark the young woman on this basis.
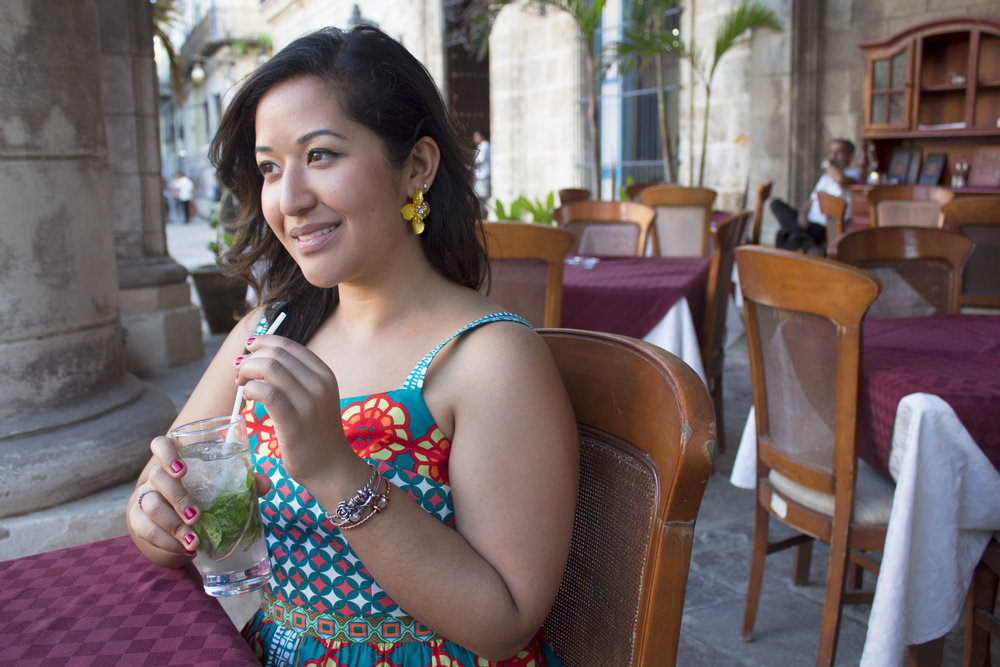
(450, 410)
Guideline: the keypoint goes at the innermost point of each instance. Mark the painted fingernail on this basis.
(177, 465)
(189, 538)
(250, 341)
(189, 514)
(190, 553)
(239, 360)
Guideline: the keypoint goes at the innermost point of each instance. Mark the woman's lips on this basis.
(315, 239)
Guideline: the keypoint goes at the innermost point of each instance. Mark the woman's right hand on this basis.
(161, 512)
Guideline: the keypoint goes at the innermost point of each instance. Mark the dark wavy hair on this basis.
(380, 85)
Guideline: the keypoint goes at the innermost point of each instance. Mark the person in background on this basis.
(805, 229)
(415, 446)
(482, 166)
(182, 189)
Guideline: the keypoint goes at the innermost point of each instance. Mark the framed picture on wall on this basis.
(985, 169)
(931, 172)
(899, 165)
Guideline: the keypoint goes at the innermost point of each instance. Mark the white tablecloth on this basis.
(946, 505)
(676, 334)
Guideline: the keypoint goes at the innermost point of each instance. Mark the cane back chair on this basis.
(602, 227)
(805, 363)
(979, 219)
(646, 449)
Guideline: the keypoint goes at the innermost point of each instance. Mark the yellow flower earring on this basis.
(416, 211)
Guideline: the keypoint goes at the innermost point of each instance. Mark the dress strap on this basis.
(415, 380)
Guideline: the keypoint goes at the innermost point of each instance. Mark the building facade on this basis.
(777, 97)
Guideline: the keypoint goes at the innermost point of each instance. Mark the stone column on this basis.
(162, 327)
(72, 421)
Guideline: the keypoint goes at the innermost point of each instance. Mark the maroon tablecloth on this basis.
(956, 357)
(104, 604)
(629, 295)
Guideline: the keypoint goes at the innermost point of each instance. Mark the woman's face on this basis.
(329, 194)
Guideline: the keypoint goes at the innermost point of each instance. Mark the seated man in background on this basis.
(804, 230)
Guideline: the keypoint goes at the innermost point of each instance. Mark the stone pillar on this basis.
(72, 421)
(162, 327)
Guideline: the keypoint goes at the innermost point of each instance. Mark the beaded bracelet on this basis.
(365, 504)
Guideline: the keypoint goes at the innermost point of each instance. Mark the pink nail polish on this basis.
(190, 553)
(189, 538)
(239, 360)
(250, 341)
(177, 466)
(189, 514)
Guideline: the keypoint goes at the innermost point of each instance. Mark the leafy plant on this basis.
(749, 14)
(648, 38)
(527, 210)
(220, 218)
(166, 14)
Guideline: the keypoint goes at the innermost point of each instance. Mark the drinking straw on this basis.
(239, 392)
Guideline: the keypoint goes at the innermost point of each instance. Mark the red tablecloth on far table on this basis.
(103, 603)
(630, 295)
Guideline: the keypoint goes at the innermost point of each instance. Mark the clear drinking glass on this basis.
(232, 554)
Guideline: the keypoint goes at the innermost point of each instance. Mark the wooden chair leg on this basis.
(929, 654)
(720, 425)
(833, 602)
(982, 595)
(800, 566)
(758, 555)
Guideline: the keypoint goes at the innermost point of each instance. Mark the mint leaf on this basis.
(225, 522)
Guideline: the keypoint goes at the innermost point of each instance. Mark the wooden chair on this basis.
(632, 191)
(907, 205)
(567, 195)
(726, 235)
(919, 268)
(607, 227)
(977, 218)
(803, 318)
(981, 619)
(646, 450)
(526, 269)
(763, 194)
(683, 216)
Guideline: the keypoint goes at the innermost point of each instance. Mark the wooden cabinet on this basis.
(935, 88)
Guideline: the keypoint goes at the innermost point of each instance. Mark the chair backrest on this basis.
(632, 191)
(763, 194)
(919, 268)
(567, 195)
(726, 235)
(907, 205)
(646, 448)
(833, 208)
(607, 227)
(803, 321)
(683, 216)
(526, 269)
(977, 218)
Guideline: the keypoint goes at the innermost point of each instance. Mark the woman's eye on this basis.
(318, 154)
(266, 168)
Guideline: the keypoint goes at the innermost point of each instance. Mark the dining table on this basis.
(660, 300)
(929, 419)
(103, 603)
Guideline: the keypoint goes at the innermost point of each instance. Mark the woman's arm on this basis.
(513, 471)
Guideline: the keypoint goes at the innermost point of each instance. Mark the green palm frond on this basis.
(748, 15)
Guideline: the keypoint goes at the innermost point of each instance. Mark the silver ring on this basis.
(142, 494)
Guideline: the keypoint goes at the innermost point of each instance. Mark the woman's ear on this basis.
(423, 163)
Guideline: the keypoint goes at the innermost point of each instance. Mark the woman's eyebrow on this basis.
(305, 138)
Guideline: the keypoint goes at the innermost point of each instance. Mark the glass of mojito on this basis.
(232, 554)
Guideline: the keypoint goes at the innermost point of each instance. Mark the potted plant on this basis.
(223, 298)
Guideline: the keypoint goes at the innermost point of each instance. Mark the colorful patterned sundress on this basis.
(321, 606)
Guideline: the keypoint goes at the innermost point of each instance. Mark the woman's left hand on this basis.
(303, 400)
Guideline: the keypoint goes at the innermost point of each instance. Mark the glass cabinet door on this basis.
(889, 99)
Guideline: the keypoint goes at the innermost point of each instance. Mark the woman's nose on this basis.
(296, 193)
